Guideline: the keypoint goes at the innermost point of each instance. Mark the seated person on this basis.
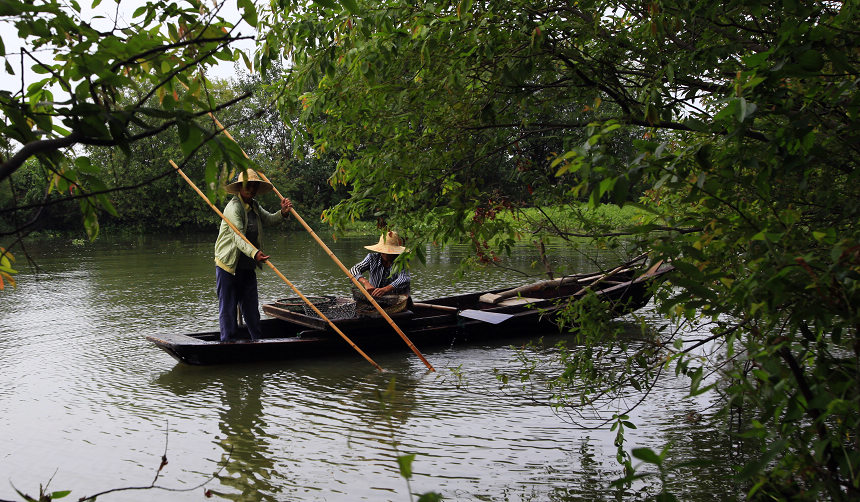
(378, 263)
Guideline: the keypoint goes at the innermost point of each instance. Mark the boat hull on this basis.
(292, 335)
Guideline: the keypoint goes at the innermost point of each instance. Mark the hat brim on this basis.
(263, 187)
(386, 249)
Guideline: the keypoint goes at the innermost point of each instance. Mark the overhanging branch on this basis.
(76, 137)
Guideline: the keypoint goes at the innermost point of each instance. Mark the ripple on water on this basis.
(84, 394)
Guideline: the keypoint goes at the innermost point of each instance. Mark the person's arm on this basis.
(358, 269)
(400, 282)
(382, 291)
(270, 219)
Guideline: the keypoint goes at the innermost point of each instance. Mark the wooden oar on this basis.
(335, 259)
(479, 315)
(278, 272)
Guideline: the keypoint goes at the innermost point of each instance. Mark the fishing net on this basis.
(391, 304)
(296, 304)
(335, 308)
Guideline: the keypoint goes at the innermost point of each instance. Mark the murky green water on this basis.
(86, 402)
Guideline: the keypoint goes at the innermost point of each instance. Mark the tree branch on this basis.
(76, 137)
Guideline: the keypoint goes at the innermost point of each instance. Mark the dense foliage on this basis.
(107, 103)
(110, 83)
(736, 121)
(156, 199)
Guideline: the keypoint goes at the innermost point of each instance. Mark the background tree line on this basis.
(150, 197)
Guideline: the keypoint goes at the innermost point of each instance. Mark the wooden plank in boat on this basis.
(519, 300)
(294, 317)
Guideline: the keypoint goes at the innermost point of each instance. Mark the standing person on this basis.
(382, 282)
(236, 260)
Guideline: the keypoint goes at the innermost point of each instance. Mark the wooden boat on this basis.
(292, 334)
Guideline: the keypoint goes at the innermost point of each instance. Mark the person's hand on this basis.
(381, 291)
(286, 205)
(260, 257)
(366, 285)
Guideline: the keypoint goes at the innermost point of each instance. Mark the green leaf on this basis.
(405, 464)
(85, 165)
(561, 158)
(192, 139)
(249, 11)
(811, 60)
(666, 497)
(39, 69)
(430, 497)
(620, 191)
(246, 60)
(647, 455)
(731, 109)
(757, 59)
(6, 266)
(606, 185)
(327, 3)
(351, 6)
(610, 127)
(754, 466)
(107, 205)
(745, 109)
(24, 495)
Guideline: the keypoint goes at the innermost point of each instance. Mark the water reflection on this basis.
(325, 430)
(246, 450)
(245, 466)
(282, 431)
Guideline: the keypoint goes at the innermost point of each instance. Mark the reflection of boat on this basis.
(291, 334)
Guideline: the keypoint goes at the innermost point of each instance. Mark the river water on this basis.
(89, 405)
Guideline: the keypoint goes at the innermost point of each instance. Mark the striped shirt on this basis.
(380, 275)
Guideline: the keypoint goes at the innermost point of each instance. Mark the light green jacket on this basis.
(229, 245)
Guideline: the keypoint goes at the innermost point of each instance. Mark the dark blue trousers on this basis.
(233, 290)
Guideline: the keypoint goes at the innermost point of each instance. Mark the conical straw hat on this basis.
(249, 176)
(389, 243)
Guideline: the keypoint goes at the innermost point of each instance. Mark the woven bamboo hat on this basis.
(249, 176)
(389, 243)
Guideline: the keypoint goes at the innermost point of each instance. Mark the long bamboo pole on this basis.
(335, 259)
(277, 272)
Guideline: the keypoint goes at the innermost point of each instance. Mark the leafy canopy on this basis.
(734, 124)
(103, 82)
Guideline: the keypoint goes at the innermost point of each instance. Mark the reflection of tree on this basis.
(592, 480)
(382, 403)
(702, 437)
